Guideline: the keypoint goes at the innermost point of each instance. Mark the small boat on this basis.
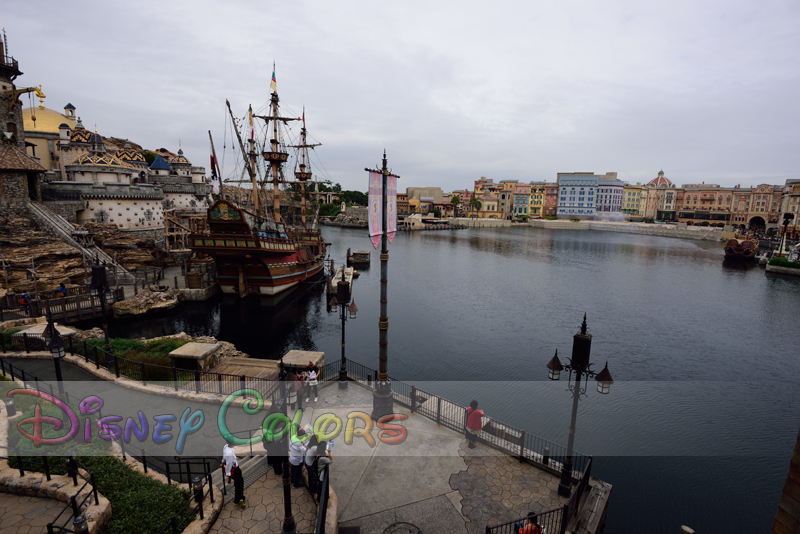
(741, 248)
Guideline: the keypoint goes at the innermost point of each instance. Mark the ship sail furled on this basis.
(258, 252)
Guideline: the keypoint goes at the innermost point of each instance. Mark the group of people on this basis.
(300, 384)
(315, 455)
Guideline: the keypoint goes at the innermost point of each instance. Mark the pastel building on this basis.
(576, 194)
(609, 194)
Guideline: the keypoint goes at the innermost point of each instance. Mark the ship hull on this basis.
(263, 278)
(741, 249)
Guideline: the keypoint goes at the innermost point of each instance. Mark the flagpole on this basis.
(214, 154)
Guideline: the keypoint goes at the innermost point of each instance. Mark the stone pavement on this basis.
(27, 515)
(431, 481)
(264, 512)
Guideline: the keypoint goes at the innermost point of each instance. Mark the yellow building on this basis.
(536, 202)
(42, 133)
(631, 199)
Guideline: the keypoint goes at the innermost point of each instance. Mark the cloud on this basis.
(453, 90)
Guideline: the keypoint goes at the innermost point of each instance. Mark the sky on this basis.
(708, 91)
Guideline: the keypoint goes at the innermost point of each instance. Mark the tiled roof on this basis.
(14, 159)
(129, 155)
(160, 165)
(99, 159)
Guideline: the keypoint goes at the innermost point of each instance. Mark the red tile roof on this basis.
(14, 159)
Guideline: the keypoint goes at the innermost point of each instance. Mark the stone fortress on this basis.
(87, 181)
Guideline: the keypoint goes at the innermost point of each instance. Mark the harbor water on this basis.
(700, 424)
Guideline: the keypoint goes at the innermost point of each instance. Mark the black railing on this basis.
(195, 503)
(324, 497)
(514, 441)
(553, 521)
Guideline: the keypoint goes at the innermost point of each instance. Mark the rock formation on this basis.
(149, 300)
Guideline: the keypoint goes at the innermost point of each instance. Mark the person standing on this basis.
(232, 471)
(62, 290)
(474, 423)
(531, 526)
(297, 453)
(25, 300)
(312, 383)
(311, 465)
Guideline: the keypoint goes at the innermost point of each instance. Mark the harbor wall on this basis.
(481, 223)
(702, 233)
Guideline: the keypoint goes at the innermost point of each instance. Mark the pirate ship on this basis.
(259, 251)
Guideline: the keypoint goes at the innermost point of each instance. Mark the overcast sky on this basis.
(705, 90)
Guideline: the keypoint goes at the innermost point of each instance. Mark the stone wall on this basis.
(703, 233)
(67, 209)
(14, 185)
(481, 223)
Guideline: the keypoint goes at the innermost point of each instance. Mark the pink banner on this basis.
(375, 207)
(391, 205)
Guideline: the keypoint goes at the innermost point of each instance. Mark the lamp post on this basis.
(579, 364)
(787, 217)
(56, 346)
(342, 301)
(99, 287)
(382, 397)
(289, 524)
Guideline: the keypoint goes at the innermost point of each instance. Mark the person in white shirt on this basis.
(297, 452)
(311, 376)
(232, 471)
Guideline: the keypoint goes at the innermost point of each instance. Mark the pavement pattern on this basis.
(264, 512)
(20, 514)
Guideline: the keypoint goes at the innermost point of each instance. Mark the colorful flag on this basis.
(252, 128)
(391, 206)
(273, 84)
(375, 207)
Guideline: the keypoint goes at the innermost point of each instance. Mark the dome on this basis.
(47, 120)
(129, 155)
(180, 159)
(99, 159)
(82, 135)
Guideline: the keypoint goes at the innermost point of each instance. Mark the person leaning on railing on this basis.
(530, 526)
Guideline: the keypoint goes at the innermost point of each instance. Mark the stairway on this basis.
(253, 468)
(61, 228)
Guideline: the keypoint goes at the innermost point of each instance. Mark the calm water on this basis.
(704, 413)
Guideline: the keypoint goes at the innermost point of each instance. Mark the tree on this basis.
(456, 202)
(437, 213)
(337, 188)
(475, 204)
(354, 197)
(149, 157)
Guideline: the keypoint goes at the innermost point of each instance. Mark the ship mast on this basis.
(276, 155)
(302, 175)
(250, 163)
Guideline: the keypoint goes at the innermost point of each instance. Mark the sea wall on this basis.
(702, 233)
(481, 223)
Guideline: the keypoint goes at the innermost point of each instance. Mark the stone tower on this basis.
(10, 106)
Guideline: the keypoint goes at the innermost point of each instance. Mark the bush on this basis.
(574, 219)
(8, 333)
(551, 218)
(704, 223)
(720, 225)
(783, 262)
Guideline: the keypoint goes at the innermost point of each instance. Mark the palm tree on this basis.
(456, 202)
(475, 204)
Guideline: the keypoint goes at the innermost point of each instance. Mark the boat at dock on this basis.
(259, 250)
(741, 247)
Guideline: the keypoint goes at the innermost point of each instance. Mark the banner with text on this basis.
(391, 205)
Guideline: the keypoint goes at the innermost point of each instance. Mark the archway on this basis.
(757, 222)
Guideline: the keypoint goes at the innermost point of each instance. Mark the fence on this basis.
(21, 460)
(514, 441)
(77, 305)
(553, 521)
(178, 471)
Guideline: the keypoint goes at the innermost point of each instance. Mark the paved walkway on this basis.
(264, 512)
(27, 515)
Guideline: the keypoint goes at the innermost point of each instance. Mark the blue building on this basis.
(576, 194)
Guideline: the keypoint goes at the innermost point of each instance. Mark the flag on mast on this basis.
(252, 128)
(273, 84)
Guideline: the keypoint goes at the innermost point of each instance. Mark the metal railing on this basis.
(187, 512)
(78, 302)
(514, 441)
(324, 498)
(553, 521)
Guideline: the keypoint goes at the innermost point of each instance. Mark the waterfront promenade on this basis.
(431, 480)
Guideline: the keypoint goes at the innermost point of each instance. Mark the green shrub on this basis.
(551, 218)
(720, 225)
(704, 223)
(8, 333)
(783, 262)
(574, 219)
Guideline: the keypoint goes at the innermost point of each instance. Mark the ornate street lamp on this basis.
(342, 301)
(579, 364)
(56, 346)
(289, 524)
(80, 524)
